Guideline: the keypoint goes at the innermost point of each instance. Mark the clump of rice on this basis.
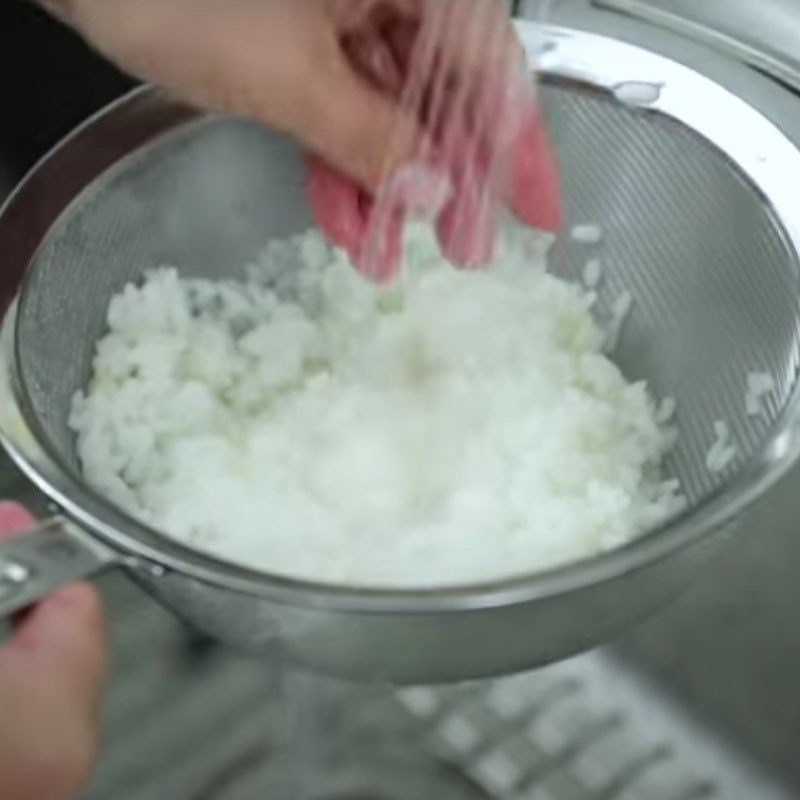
(620, 311)
(760, 385)
(454, 427)
(593, 273)
(723, 451)
(587, 234)
(666, 411)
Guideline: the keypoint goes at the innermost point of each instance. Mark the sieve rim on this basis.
(146, 114)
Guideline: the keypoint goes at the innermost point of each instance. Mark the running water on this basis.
(465, 81)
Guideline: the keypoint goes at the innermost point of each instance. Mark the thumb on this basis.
(50, 683)
(535, 195)
(62, 645)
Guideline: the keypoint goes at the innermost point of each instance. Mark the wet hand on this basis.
(339, 76)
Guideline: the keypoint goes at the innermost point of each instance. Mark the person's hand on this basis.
(336, 74)
(470, 136)
(51, 678)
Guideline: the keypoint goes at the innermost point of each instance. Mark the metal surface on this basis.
(51, 555)
(763, 34)
(594, 728)
(708, 249)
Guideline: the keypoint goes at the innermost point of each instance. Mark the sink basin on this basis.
(677, 712)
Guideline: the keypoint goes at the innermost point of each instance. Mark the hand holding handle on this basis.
(44, 558)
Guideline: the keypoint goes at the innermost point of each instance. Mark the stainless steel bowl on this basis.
(694, 189)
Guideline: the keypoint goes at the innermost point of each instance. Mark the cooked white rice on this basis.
(620, 312)
(587, 234)
(457, 426)
(760, 385)
(666, 411)
(593, 273)
(722, 452)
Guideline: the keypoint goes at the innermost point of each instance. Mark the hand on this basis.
(336, 74)
(478, 133)
(51, 677)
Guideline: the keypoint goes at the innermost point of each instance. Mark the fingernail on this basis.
(421, 189)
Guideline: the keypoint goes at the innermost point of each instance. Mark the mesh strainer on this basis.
(693, 189)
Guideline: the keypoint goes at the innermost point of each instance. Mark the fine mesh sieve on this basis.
(712, 272)
(692, 189)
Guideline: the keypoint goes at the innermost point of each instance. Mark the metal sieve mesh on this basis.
(713, 275)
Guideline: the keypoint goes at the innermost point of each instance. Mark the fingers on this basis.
(51, 677)
(61, 643)
(62, 639)
(375, 59)
(364, 132)
(378, 257)
(534, 193)
(345, 214)
(468, 225)
(492, 139)
(462, 105)
(468, 139)
(474, 39)
(336, 204)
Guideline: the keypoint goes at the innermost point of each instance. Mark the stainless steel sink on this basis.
(730, 649)
(700, 703)
(683, 710)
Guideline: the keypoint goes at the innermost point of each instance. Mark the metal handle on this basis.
(45, 558)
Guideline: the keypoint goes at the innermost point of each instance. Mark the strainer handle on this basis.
(44, 558)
